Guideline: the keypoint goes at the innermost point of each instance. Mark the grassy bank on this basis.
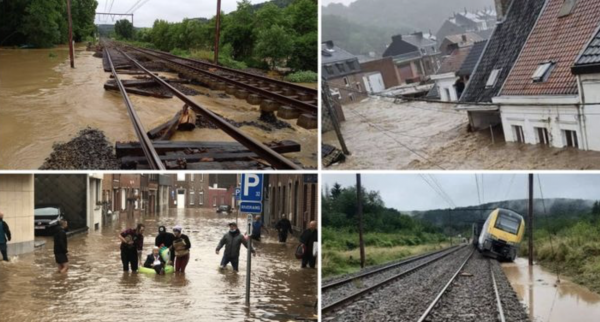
(341, 253)
(574, 251)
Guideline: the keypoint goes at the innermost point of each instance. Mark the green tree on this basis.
(83, 13)
(124, 29)
(239, 32)
(274, 45)
(41, 22)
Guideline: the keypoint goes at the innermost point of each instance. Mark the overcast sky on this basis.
(411, 192)
(326, 2)
(173, 11)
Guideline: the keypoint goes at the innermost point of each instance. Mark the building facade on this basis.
(17, 204)
(294, 195)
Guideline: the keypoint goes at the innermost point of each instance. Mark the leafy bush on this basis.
(305, 76)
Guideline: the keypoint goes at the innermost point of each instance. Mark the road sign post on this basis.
(251, 193)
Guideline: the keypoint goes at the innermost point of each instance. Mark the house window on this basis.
(201, 198)
(570, 138)
(341, 67)
(351, 97)
(329, 69)
(542, 72)
(542, 135)
(567, 8)
(350, 65)
(518, 133)
(346, 81)
(191, 197)
(192, 177)
(358, 86)
(493, 78)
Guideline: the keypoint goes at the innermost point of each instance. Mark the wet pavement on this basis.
(96, 289)
(43, 101)
(548, 301)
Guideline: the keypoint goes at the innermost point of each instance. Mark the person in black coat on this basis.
(284, 226)
(308, 239)
(164, 238)
(60, 247)
(155, 261)
(4, 237)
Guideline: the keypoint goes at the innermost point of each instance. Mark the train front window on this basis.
(507, 223)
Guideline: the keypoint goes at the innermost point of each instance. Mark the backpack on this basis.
(300, 251)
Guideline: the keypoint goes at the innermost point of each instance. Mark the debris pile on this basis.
(89, 150)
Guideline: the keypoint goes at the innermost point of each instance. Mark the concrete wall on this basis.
(353, 92)
(446, 89)
(590, 88)
(17, 204)
(386, 67)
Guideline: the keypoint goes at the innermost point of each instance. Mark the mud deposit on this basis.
(418, 135)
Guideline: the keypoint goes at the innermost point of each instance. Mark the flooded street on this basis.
(96, 289)
(43, 101)
(546, 302)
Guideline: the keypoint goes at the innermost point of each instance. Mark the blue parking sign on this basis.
(238, 192)
(251, 207)
(252, 186)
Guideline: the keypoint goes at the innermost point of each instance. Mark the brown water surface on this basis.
(96, 289)
(549, 301)
(43, 101)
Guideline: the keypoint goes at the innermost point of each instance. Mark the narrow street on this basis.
(96, 289)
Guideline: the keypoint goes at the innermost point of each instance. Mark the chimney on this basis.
(329, 44)
(396, 38)
(419, 35)
(464, 38)
(502, 8)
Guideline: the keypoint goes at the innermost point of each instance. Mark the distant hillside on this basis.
(547, 209)
(356, 38)
(420, 15)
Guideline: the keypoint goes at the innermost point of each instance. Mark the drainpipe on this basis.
(581, 113)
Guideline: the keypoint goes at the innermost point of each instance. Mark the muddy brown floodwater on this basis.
(43, 101)
(548, 301)
(96, 289)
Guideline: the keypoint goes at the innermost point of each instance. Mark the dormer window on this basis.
(493, 78)
(567, 8)
(329, 69)
(341, 67)
(542, 72)
(350, 65)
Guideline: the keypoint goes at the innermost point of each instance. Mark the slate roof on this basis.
(336, 62)
(398, 47)
(472, 59)
(334, 54)
(503, 49)
(557, 39)
(449, 28)
(458, 39)
(428, 46)
(589, 60)
(453, 62)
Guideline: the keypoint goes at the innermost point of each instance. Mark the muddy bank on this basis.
(418, 135)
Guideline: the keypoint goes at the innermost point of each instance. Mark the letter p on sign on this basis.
(252, 187)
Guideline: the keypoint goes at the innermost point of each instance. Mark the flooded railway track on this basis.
(248, 154)
(462, 287)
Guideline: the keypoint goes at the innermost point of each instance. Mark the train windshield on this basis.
(508, 222)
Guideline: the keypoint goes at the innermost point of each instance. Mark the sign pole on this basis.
(249, 264)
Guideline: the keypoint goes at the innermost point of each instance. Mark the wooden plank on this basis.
(113, 87)
(165, 130)
(162, 147)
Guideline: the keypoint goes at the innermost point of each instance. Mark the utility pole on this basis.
(217, 32)
(360, 221)
(450, 228)
(70, 34)
(530, 220)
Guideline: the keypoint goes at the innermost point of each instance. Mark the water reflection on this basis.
(96, 289)
(548, 300)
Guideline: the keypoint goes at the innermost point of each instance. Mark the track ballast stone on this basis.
(514, 311)
(406, 298)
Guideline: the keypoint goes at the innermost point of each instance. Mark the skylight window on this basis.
(567, 8)
(491, 82)
(542, 73)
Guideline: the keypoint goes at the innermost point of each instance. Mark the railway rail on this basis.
(375, 280)
(275, 159)
(284, 93)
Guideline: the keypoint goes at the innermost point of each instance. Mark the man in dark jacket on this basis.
(232, 241)
(164, 238)
(284, 226)
(155, 261)
(257, 227)
(131, 241)
(180, 250)
(308, 239)
(4, 237)
(60, 247)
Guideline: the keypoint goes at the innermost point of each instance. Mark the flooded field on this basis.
(43, 101)
(96, 289)
(419, 135)
(549, 301)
